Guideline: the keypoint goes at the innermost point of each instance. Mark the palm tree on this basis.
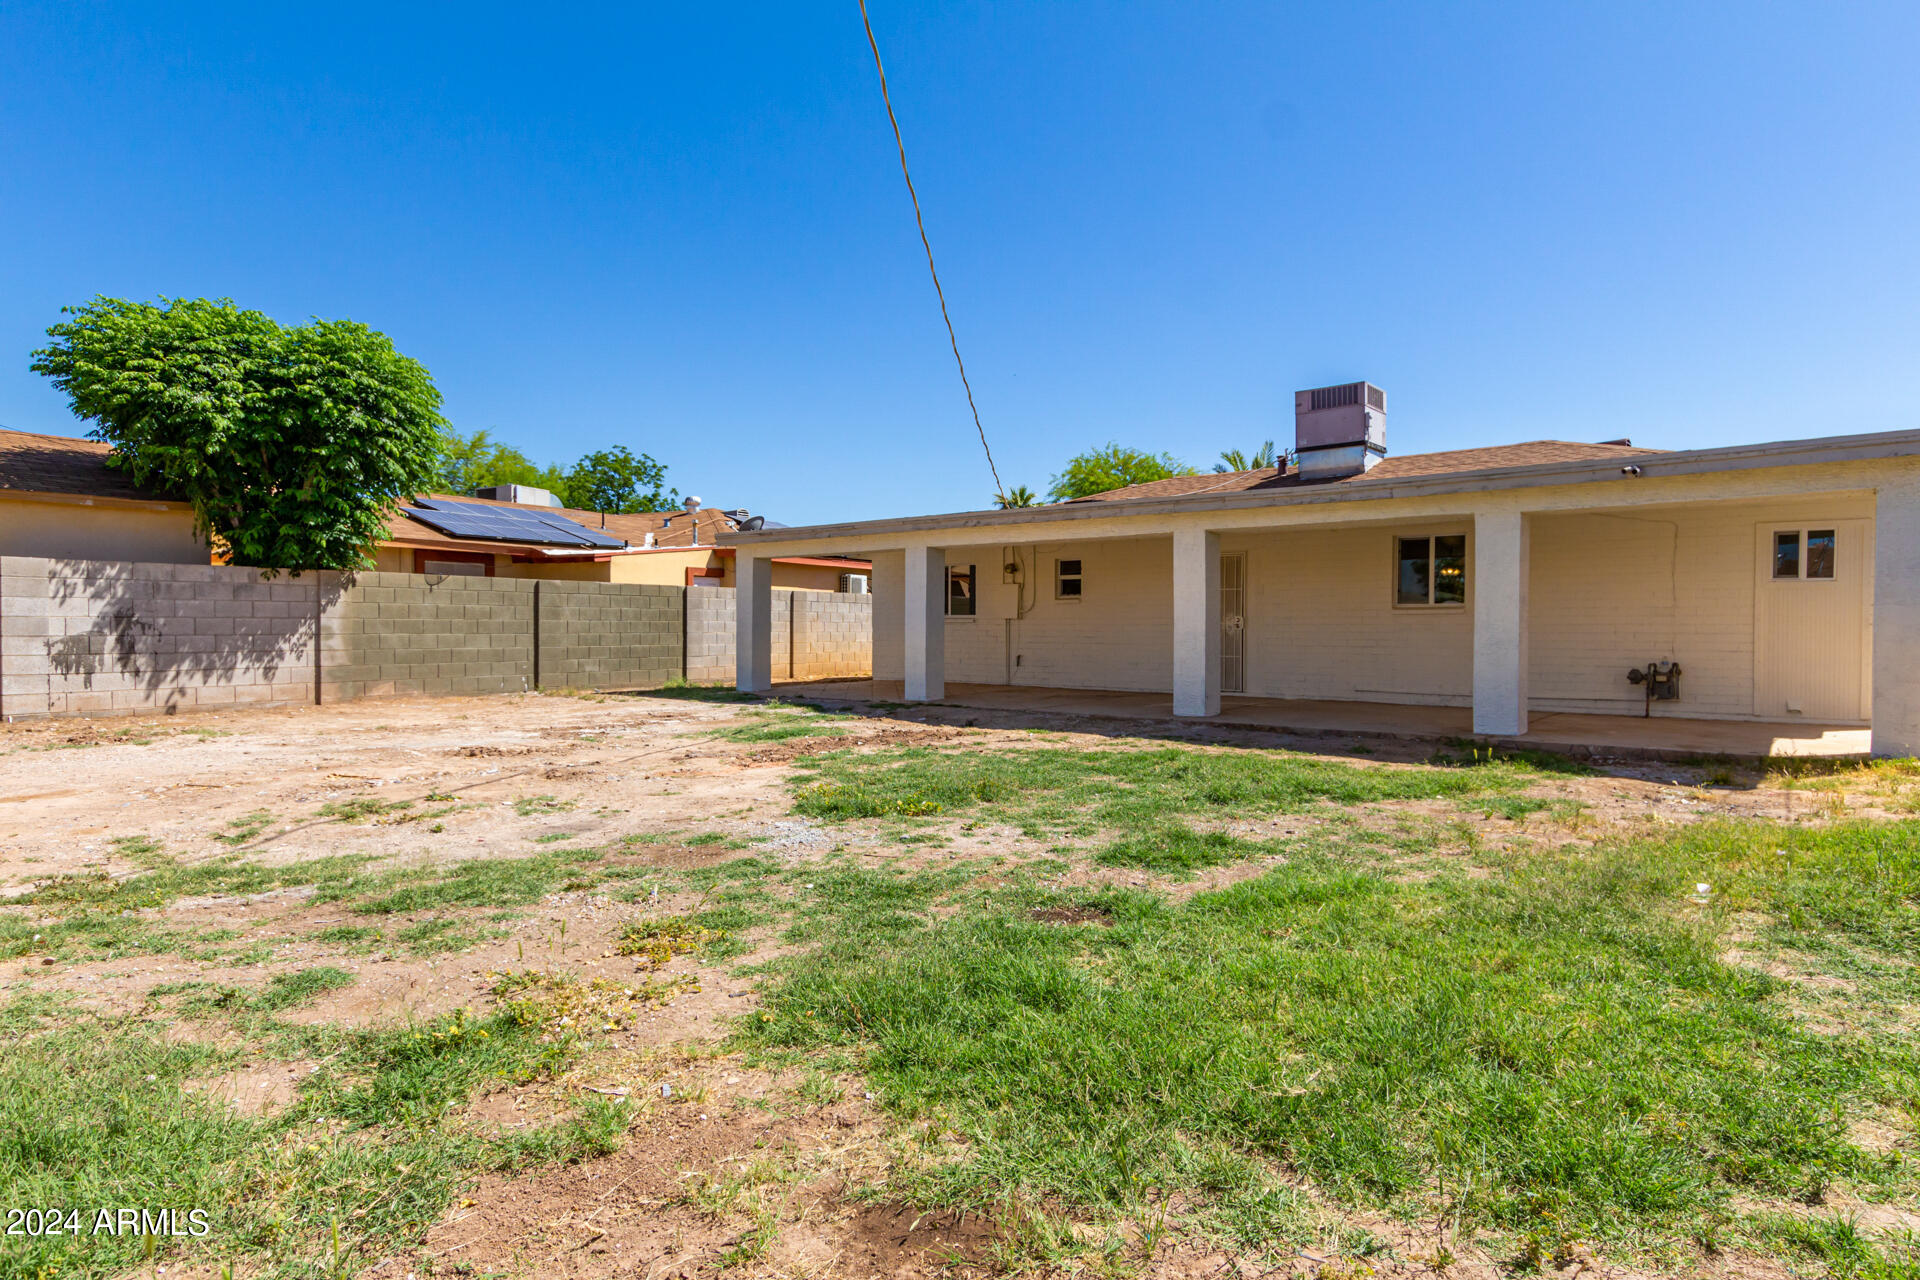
(1234, 460)
(1018, 496)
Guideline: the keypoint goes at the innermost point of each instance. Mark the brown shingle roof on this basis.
(1532, 453)
(64, 464)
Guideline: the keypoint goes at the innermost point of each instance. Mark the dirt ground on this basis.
(512, 770)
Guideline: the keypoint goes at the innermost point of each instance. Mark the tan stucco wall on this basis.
(1616, 590)
(1608, 591)
(98, 531)
(800, 577)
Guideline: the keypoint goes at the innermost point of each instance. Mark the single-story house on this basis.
(448, 533)
(1777, 583)
(60, 499)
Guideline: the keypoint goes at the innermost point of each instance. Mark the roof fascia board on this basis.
(93, 500)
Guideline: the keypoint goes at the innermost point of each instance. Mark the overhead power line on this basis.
(998, 488)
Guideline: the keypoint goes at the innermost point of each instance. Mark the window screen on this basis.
(959, 592)
(1067, 579)
(1786, 554)
(1819, 553)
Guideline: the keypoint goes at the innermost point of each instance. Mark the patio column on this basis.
(1896, 618)
(753, 622)
(925, 632)
(1499, 590)
(1196, 622)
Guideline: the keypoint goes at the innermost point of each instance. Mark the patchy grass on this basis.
(290, 990)
(1556, 1051)
(783, 722)
(1144, 794)
(95, 1111)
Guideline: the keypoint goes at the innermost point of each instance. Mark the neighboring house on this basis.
(1776, 582)
(445, 533)
(60, 499)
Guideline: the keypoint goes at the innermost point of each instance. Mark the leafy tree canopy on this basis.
(1018, 496)
(619, 480)
(1112, 467)
(292, 443)
(478, 461)
(615, 479)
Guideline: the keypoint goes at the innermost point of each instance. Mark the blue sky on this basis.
(682, 228)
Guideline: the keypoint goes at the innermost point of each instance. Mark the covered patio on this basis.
(1664, 737)
(1773, 590)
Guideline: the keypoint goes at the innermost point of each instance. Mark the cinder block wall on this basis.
(710, 635)
(99, 637)
(606, 635)
(386, 634)
(817, 635)
(831, 636)
(102, 637)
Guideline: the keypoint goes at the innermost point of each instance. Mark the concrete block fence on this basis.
(96, 637)
(817, 635)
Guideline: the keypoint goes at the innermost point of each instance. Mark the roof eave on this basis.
(1786, 453)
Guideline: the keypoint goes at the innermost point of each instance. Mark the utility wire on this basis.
(999, 489)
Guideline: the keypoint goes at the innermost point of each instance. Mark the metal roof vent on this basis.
(1339, 431)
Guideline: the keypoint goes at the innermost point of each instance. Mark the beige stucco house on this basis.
(1775, 583)
(60, 499)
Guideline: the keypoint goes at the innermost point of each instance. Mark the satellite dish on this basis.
(754, 524)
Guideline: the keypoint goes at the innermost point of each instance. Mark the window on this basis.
(1786, 554)
(1431, 570)
(1817, 562)
(959, 591)
(1066, 579)
(1819, 553)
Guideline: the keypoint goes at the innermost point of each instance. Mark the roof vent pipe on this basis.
(1339, 431)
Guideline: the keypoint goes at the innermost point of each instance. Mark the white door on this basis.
(1233, 623)
(1811, 620)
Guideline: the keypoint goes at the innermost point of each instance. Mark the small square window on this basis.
(1819, 553)
(1067, 579)
(1431, 570)
(959, 591)
(1786, 554)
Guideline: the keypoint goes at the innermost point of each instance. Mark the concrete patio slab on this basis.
(1656, 737)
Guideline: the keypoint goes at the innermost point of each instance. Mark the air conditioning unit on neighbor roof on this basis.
(1339, 431)
(523, 493)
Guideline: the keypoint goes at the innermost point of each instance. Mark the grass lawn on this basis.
(1548, 1045)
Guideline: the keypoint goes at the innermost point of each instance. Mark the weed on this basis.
(658, 941)
(534, 806)
(362, 808)
(243, 829)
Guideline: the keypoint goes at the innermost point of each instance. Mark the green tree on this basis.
(1260, 460)
(1112, 467)
(619, 480)
(292, 443)
(1018, 496)
(477, 461)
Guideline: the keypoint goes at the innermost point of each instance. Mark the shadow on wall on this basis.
(157, 636)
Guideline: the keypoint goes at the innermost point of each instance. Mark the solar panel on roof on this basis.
(508, 524)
